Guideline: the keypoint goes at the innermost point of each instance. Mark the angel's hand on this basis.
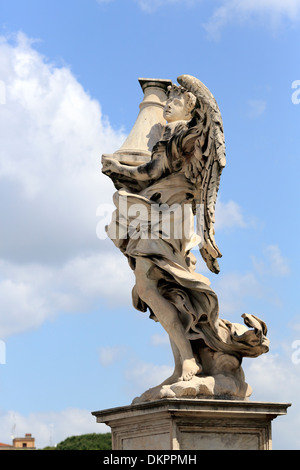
(110, 165)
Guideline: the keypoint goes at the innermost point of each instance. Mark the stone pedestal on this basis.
(190, 424)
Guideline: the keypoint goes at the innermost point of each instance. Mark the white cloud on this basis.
(233, 290)
(271, 12)
(52, 137)
(111, 354)
(228, 215)
(29, 294)
(160, 340)
(269, 375)
(256, 107)
(274, 378)
(273, 263)
(49, 428)
(142, 375)
(150, 6)
(278, 263)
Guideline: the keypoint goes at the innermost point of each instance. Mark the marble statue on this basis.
(167, 178)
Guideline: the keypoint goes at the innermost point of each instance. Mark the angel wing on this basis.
(205, 144)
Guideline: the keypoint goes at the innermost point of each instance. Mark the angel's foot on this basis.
(189, 369)
(175, 377)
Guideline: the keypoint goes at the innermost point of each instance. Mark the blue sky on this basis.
(69, 92)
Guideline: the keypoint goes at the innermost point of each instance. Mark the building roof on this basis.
(19, 442)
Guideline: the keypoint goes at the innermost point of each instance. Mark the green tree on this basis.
(86, 442)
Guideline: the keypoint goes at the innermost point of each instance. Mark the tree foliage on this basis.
(92, 441)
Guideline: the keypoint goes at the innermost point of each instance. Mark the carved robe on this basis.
(143, 234)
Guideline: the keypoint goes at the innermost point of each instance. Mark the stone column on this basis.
(148, 126)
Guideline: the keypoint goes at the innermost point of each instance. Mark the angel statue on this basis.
(180, 183)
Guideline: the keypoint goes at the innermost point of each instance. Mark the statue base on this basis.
(192, 424)
(219, 386)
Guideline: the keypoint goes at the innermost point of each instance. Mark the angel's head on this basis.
(180, 104)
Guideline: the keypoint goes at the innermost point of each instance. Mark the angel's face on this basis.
(175, 109)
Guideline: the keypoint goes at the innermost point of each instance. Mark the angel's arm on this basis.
(152, 170)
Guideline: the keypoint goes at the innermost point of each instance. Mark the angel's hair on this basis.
(190, 99)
